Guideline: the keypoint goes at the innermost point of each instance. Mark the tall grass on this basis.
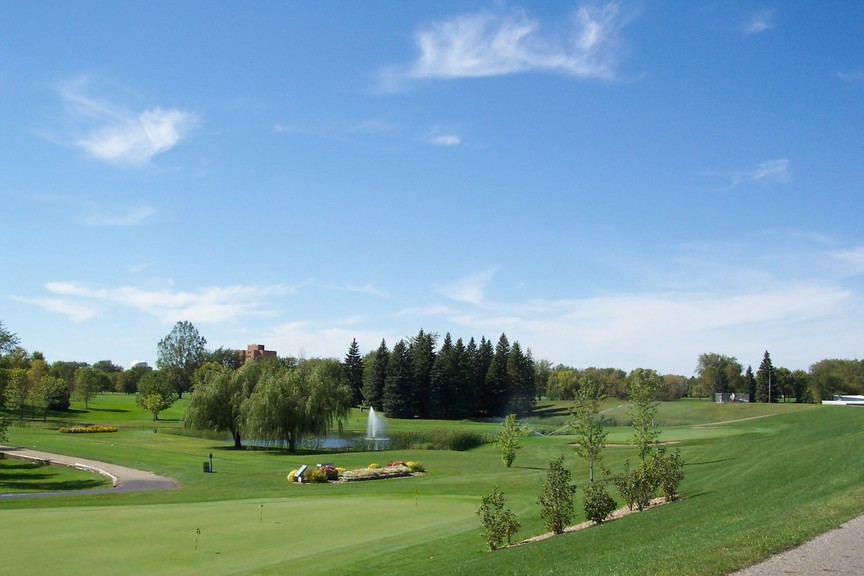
(441, 439)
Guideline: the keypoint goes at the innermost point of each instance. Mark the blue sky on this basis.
(625, 184)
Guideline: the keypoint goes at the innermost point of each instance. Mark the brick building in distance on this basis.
(255, 351)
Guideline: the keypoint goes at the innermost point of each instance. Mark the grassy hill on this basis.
(759, 479)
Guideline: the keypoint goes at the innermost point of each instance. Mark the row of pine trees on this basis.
(418, 379)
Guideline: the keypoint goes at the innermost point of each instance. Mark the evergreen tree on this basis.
(354, 373)
(422, 350)
(750, 380)
(373, 388)
(498, 381)
(461, 391)
(482, 361)
(766, 381)
(398, 398)
(520, 371)
(441, 381)
(471, 357)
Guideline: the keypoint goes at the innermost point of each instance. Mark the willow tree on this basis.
(215, 403)
(289, 405)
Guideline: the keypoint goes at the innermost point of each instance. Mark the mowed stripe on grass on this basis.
(235, 536)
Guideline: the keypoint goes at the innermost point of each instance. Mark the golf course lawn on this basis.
(758, 479)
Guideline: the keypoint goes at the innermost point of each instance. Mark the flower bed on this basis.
(376, 473)
(87, 429)
(328, 473)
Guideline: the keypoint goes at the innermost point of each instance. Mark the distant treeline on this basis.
(458, 380)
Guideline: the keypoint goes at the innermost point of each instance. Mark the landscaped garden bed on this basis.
(87, 429)
(328, 473)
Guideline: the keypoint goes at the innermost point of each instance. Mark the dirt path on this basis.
(123, 479)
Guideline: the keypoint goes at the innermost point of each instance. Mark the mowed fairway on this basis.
(759, 479)
(278, 535)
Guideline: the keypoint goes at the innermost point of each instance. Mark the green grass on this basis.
(21, 476)
(759, 479)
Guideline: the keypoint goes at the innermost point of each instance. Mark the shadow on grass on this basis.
(28, 485)
(710, 462)
(33, 477)
(548, 411)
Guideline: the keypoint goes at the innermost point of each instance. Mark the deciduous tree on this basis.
(588, 423)
(642, 409)
(556, 498)
(180, 353)
(88, 383)
(8, 340)
(507, 439)
(498, 524)
(290, 404)
(156, 392)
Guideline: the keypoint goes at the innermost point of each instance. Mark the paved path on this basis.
(124, 479)
(839, 551)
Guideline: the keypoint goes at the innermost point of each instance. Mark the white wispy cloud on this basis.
(511, 42)
(850, 259)
(368, 289)
(113, 133)
(75, 312)
(776, 170)
(851, 76)
(97, 216)
(759, 22)
(770, 171)
(322, 339)
(470, 289)
(442, 136)
(211, 305)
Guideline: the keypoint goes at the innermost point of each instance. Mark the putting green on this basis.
(248, 536)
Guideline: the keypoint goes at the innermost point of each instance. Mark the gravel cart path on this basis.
(840, 551)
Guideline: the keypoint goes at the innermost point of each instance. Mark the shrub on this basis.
(498, 525)
(373, 466)
(292, 476)
(415, 466)
(637, 486)
(669, 471)
(556, 498)
(397, 463)
(330, 472)
(598, 503)
(507, 441)
(316, 476)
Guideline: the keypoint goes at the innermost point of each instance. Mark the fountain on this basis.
(375, 437)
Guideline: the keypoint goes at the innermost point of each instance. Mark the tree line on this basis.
(717, 373)
(418, 379)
